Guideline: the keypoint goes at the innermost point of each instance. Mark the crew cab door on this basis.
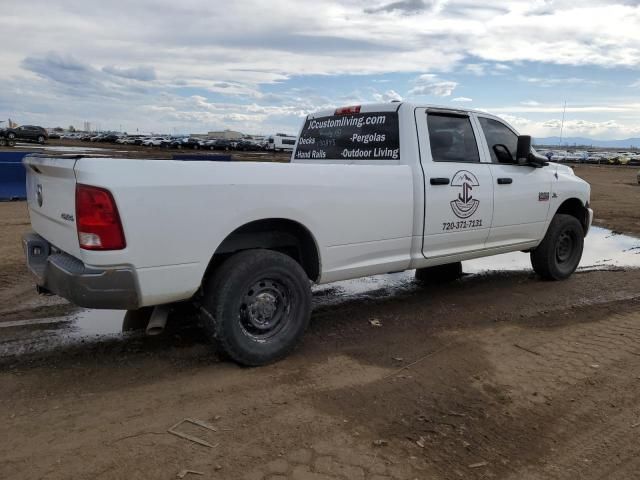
(458, 183)
(522, 193)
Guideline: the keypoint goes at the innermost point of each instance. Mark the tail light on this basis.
(97, 219)
(348, 110)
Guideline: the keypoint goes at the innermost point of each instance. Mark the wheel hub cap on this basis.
(565, 247)
(265, 309)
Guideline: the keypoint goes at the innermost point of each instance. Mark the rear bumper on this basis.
(68, 277)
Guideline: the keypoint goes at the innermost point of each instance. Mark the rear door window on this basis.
(361, 136)
(451, 138)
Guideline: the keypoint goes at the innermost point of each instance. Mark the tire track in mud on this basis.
(594, 367)
(563, 406)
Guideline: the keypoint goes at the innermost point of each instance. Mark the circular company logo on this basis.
(465, 205)
(39, 196)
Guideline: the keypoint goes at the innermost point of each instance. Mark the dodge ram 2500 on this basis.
(370, 189)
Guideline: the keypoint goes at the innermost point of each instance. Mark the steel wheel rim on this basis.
(265, 310)
(565, 246)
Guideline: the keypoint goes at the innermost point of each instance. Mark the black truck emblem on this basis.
(465, 205)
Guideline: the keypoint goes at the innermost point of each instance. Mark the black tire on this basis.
(11, 135)
(41, 139)
(3, 142)
(259, 303)
(560, 251)
(439, 274)
(11, 142)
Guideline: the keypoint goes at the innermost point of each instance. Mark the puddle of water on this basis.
(603, 249)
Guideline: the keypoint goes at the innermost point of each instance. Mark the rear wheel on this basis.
(259, 303)
(41, 139)
(439, 273)
(559, 253)
(11, 135)
(3, 142)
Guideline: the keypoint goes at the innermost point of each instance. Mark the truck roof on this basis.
(394, 106)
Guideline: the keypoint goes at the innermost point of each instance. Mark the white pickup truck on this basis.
(370, 189)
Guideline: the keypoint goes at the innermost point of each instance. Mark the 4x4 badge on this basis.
(465, 205)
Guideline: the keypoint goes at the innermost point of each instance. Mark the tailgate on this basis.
(51, 190)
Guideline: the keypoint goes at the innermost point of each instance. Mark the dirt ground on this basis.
(615, 195)
(498, 375)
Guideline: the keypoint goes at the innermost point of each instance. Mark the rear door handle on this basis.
(505, 181)
(439, 181)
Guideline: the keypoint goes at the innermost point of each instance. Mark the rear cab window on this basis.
(451, 138)
(350, 136)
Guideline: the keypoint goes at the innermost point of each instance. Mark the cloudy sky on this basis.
(259, 66)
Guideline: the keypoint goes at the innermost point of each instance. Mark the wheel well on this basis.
(575, 208)
(279, 234)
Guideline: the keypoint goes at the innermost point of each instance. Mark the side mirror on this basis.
(524, 148)
(502, 153)
(525, 155)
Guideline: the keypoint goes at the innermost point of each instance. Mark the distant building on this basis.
(226, 134)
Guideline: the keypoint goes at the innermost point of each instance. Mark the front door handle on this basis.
(505, 181)
(439, 181)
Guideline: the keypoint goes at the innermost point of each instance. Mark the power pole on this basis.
(562, 124)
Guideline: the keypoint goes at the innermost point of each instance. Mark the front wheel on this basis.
(560, 251)
(259, 303)
(40, 139)
(11, 135)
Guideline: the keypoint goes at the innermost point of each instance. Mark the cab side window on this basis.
(451, 138)
(497, 133)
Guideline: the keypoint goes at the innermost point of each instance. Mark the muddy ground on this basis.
(498, 375)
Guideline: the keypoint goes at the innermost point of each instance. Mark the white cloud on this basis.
(388, 96)
(606, 129)
(475, 68)
(462, 99)
(430, 84)
(148, 53)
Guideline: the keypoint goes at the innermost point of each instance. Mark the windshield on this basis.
(363, 136)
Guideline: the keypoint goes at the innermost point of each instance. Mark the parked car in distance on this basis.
(222, 144)
(111, 137)
(246, 146)
(4, 141)
(29, 133)
(191, 143)
(154, 141)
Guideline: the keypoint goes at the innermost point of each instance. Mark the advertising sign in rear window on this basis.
(361, 136)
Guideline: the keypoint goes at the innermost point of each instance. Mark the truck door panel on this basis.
(458, 185)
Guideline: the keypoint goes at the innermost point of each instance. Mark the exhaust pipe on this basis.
(158, 320)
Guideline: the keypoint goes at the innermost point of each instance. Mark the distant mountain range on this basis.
(583, 141)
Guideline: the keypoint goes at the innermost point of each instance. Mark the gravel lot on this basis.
(498, 375)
